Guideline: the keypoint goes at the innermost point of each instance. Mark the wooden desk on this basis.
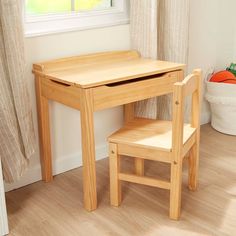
(94, 82)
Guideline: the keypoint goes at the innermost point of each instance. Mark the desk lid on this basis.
(93, 70)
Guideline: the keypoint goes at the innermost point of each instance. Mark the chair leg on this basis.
(193, 167)
(115, 183)
(175, 190)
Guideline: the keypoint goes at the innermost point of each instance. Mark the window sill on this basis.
(59, 23)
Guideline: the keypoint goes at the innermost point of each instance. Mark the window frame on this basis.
(65, 22)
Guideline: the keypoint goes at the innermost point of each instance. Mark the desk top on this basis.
(93, 70)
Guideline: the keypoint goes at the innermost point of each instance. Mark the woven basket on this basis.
(222, 99)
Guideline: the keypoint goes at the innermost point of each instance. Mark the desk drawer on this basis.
(134, 90)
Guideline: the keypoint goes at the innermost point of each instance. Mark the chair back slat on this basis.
(191, 85)
(196, 101)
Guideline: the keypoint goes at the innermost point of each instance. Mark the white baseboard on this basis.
(59, 166)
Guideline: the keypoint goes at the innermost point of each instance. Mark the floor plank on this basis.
(56, 208)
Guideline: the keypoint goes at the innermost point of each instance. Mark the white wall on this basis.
(212, 38)
(65, 122)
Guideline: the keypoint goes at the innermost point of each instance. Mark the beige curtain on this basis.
(17, 139)
(159, 30)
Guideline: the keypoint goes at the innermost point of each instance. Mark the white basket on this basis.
(222, 99)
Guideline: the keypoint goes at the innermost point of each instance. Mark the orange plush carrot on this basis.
(223, 77)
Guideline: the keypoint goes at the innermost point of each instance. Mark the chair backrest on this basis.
(191, 85)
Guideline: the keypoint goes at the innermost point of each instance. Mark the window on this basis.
(52, 16)
(37, 7)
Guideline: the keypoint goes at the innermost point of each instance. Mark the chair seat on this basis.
(148, 133)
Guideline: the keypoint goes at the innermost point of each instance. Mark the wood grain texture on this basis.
(173, 137)
(57, 208)
(134, 91)
(150, 154)
(115, 183)
(86, 83)
(187, 145)
(144, 180)
(195, 122)
(62, 93)
(129, 112)
(149, 134)
(88, 149)
(177, 142)
(103, 68)
(129, 115)
(44, 132)
(84, 60)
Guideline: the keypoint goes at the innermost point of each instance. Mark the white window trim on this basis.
(58, 23)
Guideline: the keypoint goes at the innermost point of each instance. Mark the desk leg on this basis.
(88, 150)
(44, 132)
(129, 114)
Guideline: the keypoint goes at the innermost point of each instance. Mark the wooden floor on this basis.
(55, 209)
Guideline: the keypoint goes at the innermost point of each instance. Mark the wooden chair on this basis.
(160, 140)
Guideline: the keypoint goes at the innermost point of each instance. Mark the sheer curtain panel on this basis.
(17, 138)
(159, 30)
